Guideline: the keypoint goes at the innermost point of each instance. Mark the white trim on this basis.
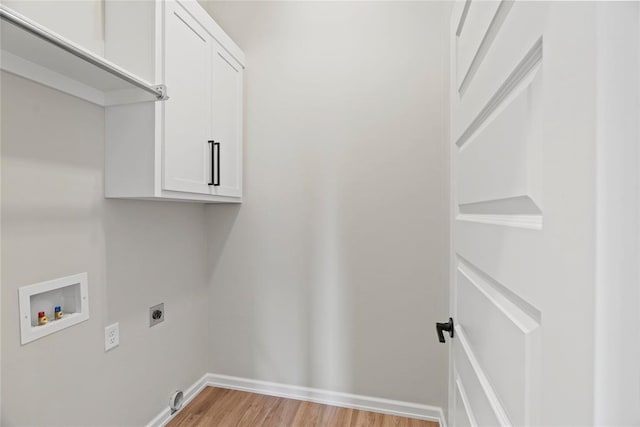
(307, 394)
(518, 81)
(617, 211)
(165, 415)
(464, 400)
(200, 14)
(533, 222)
(482, 378)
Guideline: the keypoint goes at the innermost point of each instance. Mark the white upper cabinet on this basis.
(187, 121)
(227, 124)
(190, 146)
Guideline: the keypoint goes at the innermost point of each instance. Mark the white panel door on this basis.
(187, 115)
(227, 124)
(520, 110)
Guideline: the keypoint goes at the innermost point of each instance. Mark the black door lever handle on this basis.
(440, 327)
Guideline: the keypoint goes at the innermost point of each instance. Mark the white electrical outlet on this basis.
(111, 336)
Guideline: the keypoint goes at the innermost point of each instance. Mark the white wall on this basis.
(334, 270)
(56, 222)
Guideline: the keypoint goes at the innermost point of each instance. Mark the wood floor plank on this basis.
(258, 410)
(327, 414)
(308, 415)
(231, 408)
(198, 407)
(364, 419)
(282, 414)
(341, 417)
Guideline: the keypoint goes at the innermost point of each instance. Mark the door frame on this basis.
(617, 301)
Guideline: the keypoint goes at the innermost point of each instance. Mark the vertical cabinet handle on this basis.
(211, 149)
(215, 160)
(217, 181)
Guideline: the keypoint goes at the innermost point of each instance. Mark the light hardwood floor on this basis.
(221, 407)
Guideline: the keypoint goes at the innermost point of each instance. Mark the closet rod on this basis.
(159, 91)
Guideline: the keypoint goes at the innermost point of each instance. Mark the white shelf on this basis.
(36, 53)
(70, 293)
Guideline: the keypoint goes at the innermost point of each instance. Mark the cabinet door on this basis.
(187, 124)
(227, 123)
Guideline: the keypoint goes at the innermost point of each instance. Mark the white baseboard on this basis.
(344, 400)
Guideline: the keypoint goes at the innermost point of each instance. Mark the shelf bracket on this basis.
(161, 92)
